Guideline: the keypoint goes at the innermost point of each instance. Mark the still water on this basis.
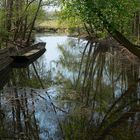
(85, 91)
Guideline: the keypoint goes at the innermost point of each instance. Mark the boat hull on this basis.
(24, 61)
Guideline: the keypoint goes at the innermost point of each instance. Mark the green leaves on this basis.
(118, 13)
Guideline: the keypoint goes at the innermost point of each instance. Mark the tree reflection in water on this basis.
(19, 121)
(96, 96)
(103, 96)
(26, 113)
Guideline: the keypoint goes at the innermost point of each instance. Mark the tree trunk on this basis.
(135, 49)
(33, 22)
(9, 7)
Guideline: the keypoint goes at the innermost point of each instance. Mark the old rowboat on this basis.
(26, 57)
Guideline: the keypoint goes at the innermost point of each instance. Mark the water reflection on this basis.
(27, 115)
(91, 92)
(103, 95)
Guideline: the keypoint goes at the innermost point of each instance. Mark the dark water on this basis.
(86, 91)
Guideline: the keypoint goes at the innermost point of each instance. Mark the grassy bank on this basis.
(54, 26)
(50, 26)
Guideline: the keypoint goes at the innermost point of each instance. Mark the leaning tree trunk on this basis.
(33, 22)
(135, 49)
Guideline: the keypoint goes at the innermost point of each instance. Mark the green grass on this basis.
(51, 24)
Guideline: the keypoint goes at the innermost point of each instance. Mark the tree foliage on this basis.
(17, 20)
(118, 13)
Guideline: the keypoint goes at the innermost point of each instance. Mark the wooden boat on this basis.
(28, 55)
(5, 66)
(5, 60)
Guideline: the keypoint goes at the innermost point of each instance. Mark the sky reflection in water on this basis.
(96, 96)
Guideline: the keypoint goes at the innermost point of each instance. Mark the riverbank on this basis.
(54, 26)
(51, 26)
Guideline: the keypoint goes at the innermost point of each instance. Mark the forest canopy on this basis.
(121, 15)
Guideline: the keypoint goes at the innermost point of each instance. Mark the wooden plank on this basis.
(4, 55)
(35, 50)
(5, 60)
(3, 50)
(4, 71)
(4, 76)
(5, 63)
(31, 52)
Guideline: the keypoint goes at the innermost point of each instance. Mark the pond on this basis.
(81, 91)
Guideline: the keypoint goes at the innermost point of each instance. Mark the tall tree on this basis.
(18, 18)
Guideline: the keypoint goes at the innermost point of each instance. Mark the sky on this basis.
(51, 8)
